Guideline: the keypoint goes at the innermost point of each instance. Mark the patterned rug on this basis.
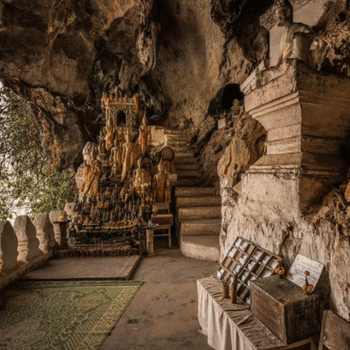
(61, 315)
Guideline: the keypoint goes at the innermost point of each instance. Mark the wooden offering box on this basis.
(282, 306)
(249, 263)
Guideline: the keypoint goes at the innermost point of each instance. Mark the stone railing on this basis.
(27, 245)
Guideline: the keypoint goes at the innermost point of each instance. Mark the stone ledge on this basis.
(7, 277)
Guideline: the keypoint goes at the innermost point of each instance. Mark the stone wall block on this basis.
(8, 246)
(44, 232)
(60, 236)
(28, 243)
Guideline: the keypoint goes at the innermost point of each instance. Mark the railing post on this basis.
(28, 244)
(8, 246)
(44, 232)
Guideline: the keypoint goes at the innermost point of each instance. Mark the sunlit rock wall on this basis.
(323, 233)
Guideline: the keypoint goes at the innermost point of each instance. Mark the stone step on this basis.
(205, 247)
(173, 132)
(175, 136)
(189, 173)
(200, 227)
(204, 201)
(189, 181)
(196, 213)
(179, 149)
(176, 143)
(189, 166)
(194, 191)
(186, 160)
(184, 155)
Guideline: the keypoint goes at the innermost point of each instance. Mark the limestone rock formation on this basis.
(246, 147)
(61, 56)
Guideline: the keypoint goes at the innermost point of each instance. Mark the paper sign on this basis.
(296, 273)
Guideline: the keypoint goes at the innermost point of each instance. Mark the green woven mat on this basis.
(62, 314)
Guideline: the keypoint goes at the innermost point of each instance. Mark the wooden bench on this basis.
(335, 332)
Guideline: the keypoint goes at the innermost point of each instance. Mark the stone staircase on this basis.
(198, 209)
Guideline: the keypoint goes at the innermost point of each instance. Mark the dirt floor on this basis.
(163, 314)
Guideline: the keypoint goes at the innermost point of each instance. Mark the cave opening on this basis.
(231, 92)
(224, 98)
(121, 118)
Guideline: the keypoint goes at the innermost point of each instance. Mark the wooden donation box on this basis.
(284, 307)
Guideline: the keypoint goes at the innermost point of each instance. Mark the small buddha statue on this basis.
(236, 108)
(141, 179)
(159, 184)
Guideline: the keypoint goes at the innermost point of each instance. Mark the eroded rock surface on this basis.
(61, 56)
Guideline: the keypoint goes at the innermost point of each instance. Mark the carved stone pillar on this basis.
(28, 244)
(44, 232)
(8, 246)
(60, 229)
(307, 118)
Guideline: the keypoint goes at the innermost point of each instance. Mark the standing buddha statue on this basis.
(115, 158)
(159, 184)
(92, 173)
(110, 134)
(129, 155)
(145, 138)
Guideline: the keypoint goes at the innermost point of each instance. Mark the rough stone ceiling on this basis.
(62, 54)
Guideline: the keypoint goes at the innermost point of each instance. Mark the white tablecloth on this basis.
(231, 326)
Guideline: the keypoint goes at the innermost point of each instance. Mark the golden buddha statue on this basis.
(115, 158)
(159, 184)
(141, 179)
(110, 133)
(144, 139)
(129, 155)
(91, 174)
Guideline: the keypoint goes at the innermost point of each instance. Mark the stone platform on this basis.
(307, 118)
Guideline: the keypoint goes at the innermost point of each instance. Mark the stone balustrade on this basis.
(27, 245)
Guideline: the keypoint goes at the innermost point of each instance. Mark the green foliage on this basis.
(24, 177)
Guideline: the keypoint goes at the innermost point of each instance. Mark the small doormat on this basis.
(42, 315)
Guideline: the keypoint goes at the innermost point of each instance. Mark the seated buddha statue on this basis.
(141, 179)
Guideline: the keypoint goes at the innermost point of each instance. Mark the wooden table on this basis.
(233, 326)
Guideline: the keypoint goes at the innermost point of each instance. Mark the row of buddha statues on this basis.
(121, 177)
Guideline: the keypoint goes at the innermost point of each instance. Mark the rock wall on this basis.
(322, 236)
(61, 56)
(266, 209)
